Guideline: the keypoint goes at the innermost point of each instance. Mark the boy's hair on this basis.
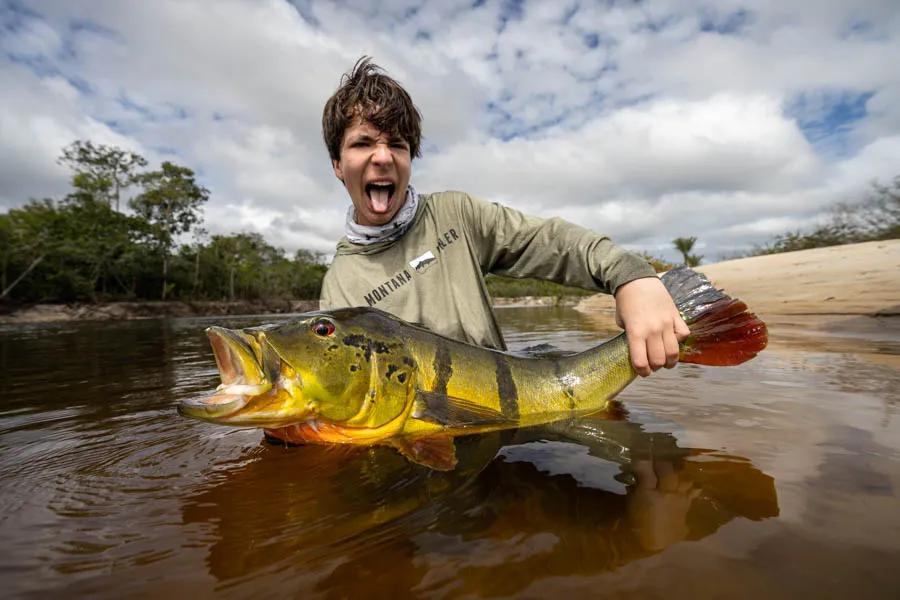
(367, 92)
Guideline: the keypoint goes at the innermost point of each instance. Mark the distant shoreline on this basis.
(126, 311)
(854, 280)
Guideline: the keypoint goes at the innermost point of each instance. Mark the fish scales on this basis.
(520, 387)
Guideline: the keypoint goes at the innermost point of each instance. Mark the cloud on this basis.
(727, 120)
(724, 143)
(39, 117)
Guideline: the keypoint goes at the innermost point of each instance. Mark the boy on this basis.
(423, 257)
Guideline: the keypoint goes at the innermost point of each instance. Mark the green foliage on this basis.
(876, 218)
(658, 264)
(508, 287)
(171, 203)
(101, 171)
(244, 266)
(685, 245)
(79, 249)
(82, 249)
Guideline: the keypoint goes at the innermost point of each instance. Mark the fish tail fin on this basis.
(723, 331)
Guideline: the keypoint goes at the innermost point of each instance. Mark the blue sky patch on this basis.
(728, 24)
(827, 118)
(167, 151)
(84, 26)
(305, 10)
(657, 25)
(14, 12)
(510, 10)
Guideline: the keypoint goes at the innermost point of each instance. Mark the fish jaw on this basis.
(258, 388)
(238, 357)
(213, 407)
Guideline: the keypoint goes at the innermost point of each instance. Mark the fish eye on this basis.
(323, 327)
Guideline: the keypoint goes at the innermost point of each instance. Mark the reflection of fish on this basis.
(361, 376)
(372, 510)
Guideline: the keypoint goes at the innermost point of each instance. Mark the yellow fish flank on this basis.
(362, 376)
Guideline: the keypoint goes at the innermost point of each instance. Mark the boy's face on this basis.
(375, 168)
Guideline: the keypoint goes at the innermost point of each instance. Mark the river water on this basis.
(778, 478)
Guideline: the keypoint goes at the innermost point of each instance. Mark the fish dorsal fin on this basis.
(433, 451)
(451, 411)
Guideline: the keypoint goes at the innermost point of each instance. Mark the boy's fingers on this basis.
(671, 343)
(638, 349)
(682, 331)
(656, 351)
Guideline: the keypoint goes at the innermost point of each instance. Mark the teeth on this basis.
(244, 390)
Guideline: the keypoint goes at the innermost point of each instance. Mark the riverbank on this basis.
(106, 311)
(123, 311)
(851, 290)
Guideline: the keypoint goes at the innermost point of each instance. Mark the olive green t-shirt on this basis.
(434, 274)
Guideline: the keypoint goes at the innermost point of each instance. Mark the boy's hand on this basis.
(646, 312)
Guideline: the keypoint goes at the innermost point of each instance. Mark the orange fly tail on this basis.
(723, 331)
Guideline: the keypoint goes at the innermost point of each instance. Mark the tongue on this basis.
(380, 198)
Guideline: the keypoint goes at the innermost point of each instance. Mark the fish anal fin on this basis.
(450, 411)
(434, 451)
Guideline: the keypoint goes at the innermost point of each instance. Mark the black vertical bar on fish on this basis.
(443, 367)
(566, 387)
(506, 387)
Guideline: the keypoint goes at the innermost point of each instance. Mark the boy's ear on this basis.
(338, 171)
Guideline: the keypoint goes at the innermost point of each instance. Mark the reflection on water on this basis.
(751, 480)
(551, 503)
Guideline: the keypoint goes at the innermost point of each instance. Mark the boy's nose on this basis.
(382, 154)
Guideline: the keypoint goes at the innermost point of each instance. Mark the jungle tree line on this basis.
(88, 247)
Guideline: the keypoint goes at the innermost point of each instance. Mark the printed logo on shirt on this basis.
(421, 263)
(384, 290)
(447, 238)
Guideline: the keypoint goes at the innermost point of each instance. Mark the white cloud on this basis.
(723, 143)
(647, 121)
(39, 117)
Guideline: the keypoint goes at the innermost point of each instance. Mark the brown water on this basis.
(779, 478)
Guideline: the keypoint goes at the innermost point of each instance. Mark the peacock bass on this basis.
(363, 376)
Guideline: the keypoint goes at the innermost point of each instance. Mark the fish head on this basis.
(322, 367)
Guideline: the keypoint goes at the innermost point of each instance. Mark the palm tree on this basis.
(685, 245)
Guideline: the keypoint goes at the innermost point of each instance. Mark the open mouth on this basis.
(380, 195)
(247, 364)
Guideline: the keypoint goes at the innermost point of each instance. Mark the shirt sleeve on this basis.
(513, 244)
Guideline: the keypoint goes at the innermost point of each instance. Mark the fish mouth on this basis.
(213, 407)
(249, 368)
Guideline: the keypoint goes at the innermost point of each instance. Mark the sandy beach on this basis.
(849, 291)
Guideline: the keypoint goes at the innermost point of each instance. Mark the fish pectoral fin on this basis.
(436, 452)
(450, 411)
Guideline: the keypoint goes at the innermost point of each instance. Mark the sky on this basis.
(645, 121)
